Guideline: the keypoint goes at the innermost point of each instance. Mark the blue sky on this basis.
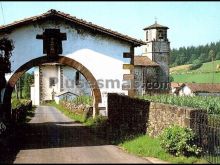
(190, 23)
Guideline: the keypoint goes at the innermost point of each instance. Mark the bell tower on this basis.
(157, 48)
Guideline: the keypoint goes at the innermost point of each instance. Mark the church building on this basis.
(67, 52)
(151, 68)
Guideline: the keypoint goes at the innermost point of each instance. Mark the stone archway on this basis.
(59, 59)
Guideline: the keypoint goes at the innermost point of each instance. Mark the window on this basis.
(146, 35)
(77, 78)
(52, 81)
(160, 34)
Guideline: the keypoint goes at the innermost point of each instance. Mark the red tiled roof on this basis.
(175, 84)
(144, 61)
(204, 87)
(73, 19)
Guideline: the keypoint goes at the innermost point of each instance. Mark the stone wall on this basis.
(164, 115)
(127, 115)
(80, 109)
(135, 116)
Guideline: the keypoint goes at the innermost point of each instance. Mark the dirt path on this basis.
(51, 137)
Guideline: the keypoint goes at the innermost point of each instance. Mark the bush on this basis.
(84, 99)
(20, 108)
(178, 141)
(196, 64)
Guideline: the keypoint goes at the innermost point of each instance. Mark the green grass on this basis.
(146, 146)
(197, 77)
(201, 75)
(206, 67)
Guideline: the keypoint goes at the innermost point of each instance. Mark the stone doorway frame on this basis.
(59, 59)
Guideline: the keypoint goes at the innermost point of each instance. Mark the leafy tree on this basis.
(24, 85)
(218, 56)
(203, 57)
(171, 78)
(6, 47)
(28, 80)
(186, 55)
(196, 64)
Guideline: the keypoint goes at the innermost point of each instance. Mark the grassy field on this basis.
(179, 69)
(146, 146)
(203, 74)
(206, 67)
(197, 77)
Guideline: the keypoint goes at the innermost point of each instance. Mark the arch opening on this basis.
(62, 60)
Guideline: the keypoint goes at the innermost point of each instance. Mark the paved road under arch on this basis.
(51, 137)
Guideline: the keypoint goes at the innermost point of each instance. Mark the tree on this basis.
(187, 55)
(6, 47)
(28, 80)
(218, 56)
(181, 59)
(212, 55)
(171, 78)
(203, 58)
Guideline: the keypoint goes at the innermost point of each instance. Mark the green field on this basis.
(197, 77)
(206, 67)
(203, 74)
(146, 146)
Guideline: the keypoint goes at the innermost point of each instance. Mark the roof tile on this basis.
(144, 61)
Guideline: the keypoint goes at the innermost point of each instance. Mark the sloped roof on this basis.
(54, 13)
(156, 26)
(66, 92)
(175, 84)
(204, 87)
(144, 61)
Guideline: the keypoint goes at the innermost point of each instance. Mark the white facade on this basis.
(91, 50)
(63, 79)
(68, 96)
(186, 91)
(25, 37)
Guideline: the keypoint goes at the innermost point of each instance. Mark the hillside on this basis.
(203, 74)
(189, 55)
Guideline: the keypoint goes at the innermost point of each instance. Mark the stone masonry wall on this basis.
(164, 115)
(127, 115)
(135, 116)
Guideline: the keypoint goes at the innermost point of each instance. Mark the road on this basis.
(51, 137)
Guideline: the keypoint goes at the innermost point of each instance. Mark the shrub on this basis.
(196, 64)
(84, 99)
(16, 104)
(178, 141)
(99, 121)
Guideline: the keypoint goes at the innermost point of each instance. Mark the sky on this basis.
(190, 23)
